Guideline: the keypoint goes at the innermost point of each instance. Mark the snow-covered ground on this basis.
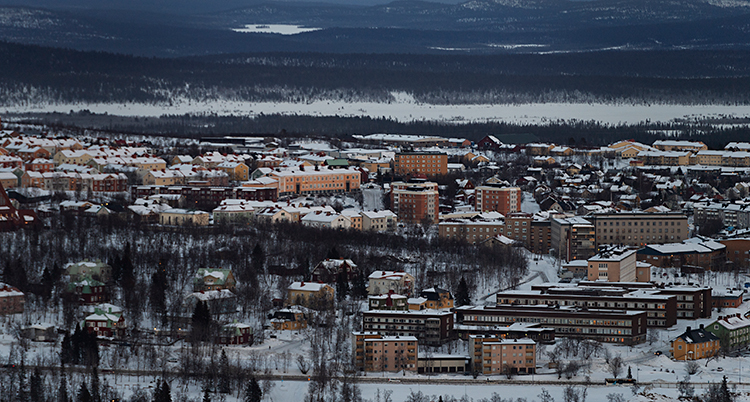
(404, 110)
(280, 29)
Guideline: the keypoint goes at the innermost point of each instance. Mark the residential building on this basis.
(613, 264)
(676, 145)
(183, 217)
(292, 318)
(233, 211)
(639, 228)
(726, 298)
(504, 200)
(237, 171)
(235, 334)
(328, 270)
(218, 301)
(732, 330)
(490, 355)
(106, 321)
(708, 254)
(214, 279)
(416, 201)
(386, 281)
(374, 352)
(316, 180)
(431, 327)
(328, 220)
(437, 298)
(615, 326)
(534, 331)
(430, 164)
(692, 301)
(8, 180)
(96, 270)
(309, 294)
(388, 301)
(378, 221)
(695, 344)
(12, 300)
(87, 290)
(540, 240)
(737, 251)
(573, 238)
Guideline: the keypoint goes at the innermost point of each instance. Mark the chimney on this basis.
(688, 329)
(701, 326)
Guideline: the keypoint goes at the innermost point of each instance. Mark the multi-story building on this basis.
(12, 300)
(732, 330)
(613, 264)
(431, 327)
(732, 214)
(541, 236)
(207, 197)
(309, 294)
(386, 281)
(517, 330)
(573, 238)
(661, 310)
(388, 301)
(374, 352)
(183, 217)
(738, 251)
(616, 326)
(316, 180)
(676, 145)
(415, 201)
(692, 301)
(697, 252)
(639, 228)
(495, 355)
(378, 221)
(695, 344)
(430, 164)
(505, 200)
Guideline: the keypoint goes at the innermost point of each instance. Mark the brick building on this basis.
(495, 355)
(639, 228)
(505, 200)
(425, 163)
(415, 201)
(431, 327)
(12, 300)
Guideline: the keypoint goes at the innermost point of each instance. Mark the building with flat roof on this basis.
(431, 327)
(639, 228)
(613, 264)
(415, 201)
(430, 164)
(376, 353)
(495, 355)
(615, 326)
(573, 238)
(504, 200)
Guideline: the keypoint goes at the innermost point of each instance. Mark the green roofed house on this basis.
(87, 290)
(337, 162)
(235, 334)
(213, 279)
(732, 330)
(96, 270)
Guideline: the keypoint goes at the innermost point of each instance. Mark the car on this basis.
(719, 369)
(658, 353)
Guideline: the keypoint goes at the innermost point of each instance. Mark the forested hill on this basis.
(33, 75)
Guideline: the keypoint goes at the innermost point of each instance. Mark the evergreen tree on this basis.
(95, 387)
(333, 254)
(62, 393)
(206, 395)
(630, 373)
(201, 322)
(36, 387)
(162, 393)
(342, 285)
(359, 285)
(462, 293)
(83, 393)
(158, 291)
(253, 392)
(224, 384)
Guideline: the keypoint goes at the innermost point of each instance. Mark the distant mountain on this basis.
(473, 27)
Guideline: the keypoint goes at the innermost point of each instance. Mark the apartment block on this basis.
(573, 238)
(415, 201)
(495, 355)
(431, 327)
(613, 264)
(426, 163)
(696, 252)
(378, 353)
(316, 181)
(615, 326)
(505, 200)
(639, 228)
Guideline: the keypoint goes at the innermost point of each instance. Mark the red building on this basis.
(235, 334)
(40, 165)
(416, 201)
(12, 300)
(505, 200)
(12, 218)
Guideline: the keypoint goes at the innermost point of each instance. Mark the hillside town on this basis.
(607, 249)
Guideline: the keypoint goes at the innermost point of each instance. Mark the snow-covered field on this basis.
(280, 29)
(404, 109)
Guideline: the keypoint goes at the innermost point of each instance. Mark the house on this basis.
(235, 334)
(385, 281)
(97, 270)
(292, 318)
(388, 301)
(40, 332)
(12, 300)
(218, 301)
(183, 217)
(329, 220)
(234, 211)
(327, 270)
(237, 171)
(732, 330)
(379, 221)
(106, 321)
(87, 290)
(213, 279)
(8, 180)
(726, 298)
(437, 298)
(695, 344)
(309, 294)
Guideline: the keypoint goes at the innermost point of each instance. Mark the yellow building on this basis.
(312, 181)
(309, 294)
(289, 319)
(495, 355)
(183, 217)
(237, 171)
(695, 344)
(373, 352)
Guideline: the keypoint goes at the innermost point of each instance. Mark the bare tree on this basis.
(303, 364)
(615, 397)
(685, 388)
(615, 366)
(692, 367)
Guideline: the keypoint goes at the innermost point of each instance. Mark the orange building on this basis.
(505, 200)
(695, 344)
(385, 353)
(613, 264)
(497, 355)
(426, 163)
(40, 165)
(738, 251)
(316, 181)
(415, 201)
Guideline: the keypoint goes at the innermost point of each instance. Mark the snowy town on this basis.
(377, 267)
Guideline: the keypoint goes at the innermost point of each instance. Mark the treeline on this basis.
(35, 74)
(580, 133)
